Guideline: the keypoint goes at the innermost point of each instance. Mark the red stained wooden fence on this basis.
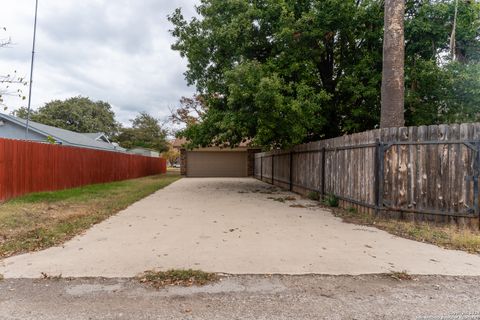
(27, 167)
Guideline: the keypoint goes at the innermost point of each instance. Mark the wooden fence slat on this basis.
(27, 167)
(432, 178)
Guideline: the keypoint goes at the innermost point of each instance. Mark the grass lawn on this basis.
(445, 236)
(41, 220)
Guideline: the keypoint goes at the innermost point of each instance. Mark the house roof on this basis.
(142, 148)
(65, 136)
(97, 136)
(179, 142)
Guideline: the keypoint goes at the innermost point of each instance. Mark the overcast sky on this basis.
(112, 50)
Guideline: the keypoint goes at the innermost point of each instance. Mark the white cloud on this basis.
(116, 51)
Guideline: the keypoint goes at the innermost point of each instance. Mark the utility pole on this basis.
(31, 71)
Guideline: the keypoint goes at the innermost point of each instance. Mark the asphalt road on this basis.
(245, 297)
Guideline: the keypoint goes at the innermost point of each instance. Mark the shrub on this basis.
(313, 195)
(330, 200)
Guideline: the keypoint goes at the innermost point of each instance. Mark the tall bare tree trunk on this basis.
(393, 89)
(453, 41)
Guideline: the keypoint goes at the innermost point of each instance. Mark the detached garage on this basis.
(216, 162)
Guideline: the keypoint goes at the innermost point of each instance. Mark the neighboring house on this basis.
(216, 161)
(178, 143)
(15, 128)
(99, 136)
(145, 152)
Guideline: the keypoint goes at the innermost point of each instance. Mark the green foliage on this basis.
(439, 90)
(313, 195)
(282, 72)
(51, 140)
(97, 191)
(146, 132)
(78, 114)
(330, 200)
(448, 94)
(172, 155)
(351, 210)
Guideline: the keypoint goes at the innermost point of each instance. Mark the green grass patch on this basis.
(174, 277)
(90, 191)
(352, 210)
(41, 220)
(330, 200)
(313, 195)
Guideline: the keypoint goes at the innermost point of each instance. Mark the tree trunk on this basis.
(393, 65)
(453, 40)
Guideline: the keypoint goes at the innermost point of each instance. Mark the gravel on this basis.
(245, 297)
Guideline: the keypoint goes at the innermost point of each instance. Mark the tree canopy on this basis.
(146, 132)
(282, 72)
(78, 114)
(10, 83)
(172, 155)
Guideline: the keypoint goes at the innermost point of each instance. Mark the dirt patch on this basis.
(297, 205)
(282, 199)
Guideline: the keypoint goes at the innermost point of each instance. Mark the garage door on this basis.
(216, 164)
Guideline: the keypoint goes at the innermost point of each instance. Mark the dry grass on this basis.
(282, 199)
(401, 276)
(446, 236)
(186, 278)
(46, 276)
(42, 220)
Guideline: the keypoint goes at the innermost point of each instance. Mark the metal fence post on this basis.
(291, 171)
(476, 173)
(273, 168)
(261, 168)
(322, 185)
(379, 168)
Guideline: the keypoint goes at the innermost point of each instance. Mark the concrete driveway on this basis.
(231, 226)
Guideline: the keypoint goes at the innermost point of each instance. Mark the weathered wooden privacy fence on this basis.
(31, 167)
(427, 172)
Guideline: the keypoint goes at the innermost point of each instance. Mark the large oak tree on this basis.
(282, 72)
(78, 114)
(146, 132)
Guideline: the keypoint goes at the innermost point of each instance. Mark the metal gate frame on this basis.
(379, 166)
